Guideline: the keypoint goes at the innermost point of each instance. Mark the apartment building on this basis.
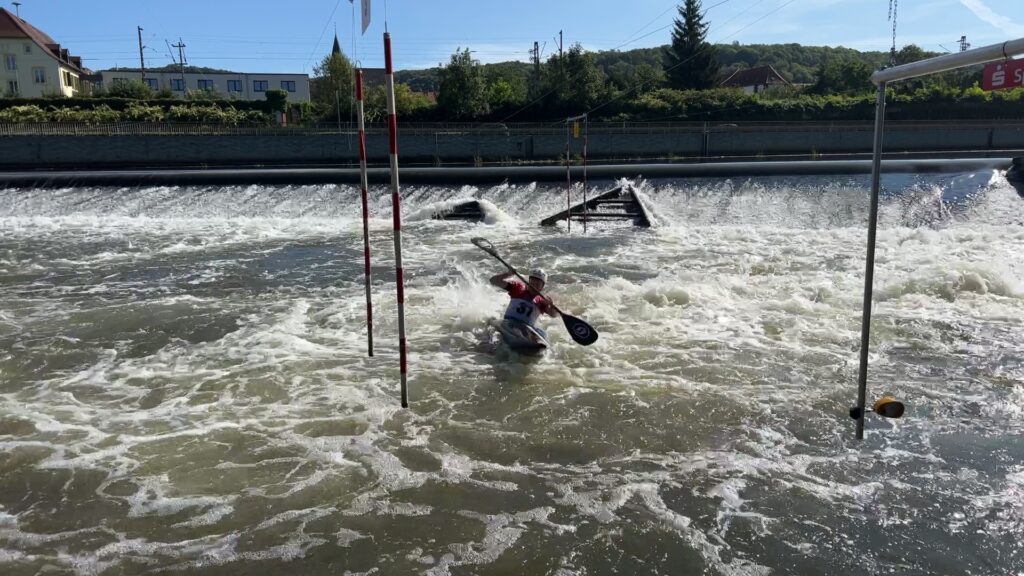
(229, 85)
(32, 64)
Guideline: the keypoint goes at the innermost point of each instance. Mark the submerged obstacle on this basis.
(468, 210)
(619, 203)
(1015, 175)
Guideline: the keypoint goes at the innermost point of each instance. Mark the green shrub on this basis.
(139, 112)
(207, 114)
(134, 90)
(277, 100)
(23, 114)
(254, 117)
(97, 115)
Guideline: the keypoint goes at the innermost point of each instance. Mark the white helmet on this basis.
(539, 274)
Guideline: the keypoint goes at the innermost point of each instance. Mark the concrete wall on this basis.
(26, 152)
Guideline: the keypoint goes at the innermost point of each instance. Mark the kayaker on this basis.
(526, 305)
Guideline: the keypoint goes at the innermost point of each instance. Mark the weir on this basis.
(484, 175)
(619, 203)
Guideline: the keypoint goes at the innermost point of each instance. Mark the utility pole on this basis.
(181, 64)
(964, 44)
(561, 61)
(142, 57)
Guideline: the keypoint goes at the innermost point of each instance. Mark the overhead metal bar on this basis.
(947, 62)
(881, 78)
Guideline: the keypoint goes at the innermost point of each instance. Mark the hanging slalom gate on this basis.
(572, 130)
(886, 406)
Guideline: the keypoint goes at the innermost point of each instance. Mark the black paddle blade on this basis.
(485, 245)
(583, 333)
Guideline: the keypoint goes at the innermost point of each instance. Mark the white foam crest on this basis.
(152, 498)
(502, 531)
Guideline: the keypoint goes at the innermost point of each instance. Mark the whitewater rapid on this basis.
(184, 383)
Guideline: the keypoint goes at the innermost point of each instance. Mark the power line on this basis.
(322, 32)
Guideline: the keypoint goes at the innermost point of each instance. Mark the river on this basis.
(184, 385)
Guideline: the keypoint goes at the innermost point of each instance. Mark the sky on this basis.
(291, 37)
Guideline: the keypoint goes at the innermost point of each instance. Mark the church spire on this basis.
(337, 45)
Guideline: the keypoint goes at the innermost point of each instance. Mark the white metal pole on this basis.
(869, 272)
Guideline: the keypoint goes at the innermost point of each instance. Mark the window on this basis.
(119, 81)
(12, 62)
(206, 85)
(234, 85)
(68, 79)
(12, 88)
(153, 83)
(288, 85)
(260, 85)
(39, 75)
(177, 85)
(28, 48)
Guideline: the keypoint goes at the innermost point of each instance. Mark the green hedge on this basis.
(136, 112)
(120, 104)
(734, 105)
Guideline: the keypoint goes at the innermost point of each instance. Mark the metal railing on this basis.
(458, 129)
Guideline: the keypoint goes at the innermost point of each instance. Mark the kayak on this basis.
(522, 337)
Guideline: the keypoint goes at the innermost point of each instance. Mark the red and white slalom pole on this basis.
(366, 211)
(397, 215)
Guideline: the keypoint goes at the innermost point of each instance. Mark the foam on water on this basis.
(184, 383)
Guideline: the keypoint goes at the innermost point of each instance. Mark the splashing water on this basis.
(184, 387)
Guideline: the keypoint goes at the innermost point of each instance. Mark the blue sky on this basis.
(265, 36)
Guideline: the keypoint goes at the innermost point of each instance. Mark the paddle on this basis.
(583, 333)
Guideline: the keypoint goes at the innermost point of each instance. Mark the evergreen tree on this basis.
(690, 62)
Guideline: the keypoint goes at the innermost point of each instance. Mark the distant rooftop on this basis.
(760, 76)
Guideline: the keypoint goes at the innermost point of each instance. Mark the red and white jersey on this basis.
(525, 306)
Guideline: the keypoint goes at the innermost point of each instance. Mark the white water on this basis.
(183, 384)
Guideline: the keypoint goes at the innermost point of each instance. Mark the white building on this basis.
(227, 84)
(32, 64)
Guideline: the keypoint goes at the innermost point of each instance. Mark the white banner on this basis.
(366, 15)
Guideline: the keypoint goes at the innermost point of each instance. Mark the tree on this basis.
(134, 89)
(333, 85)
(843, 76)
(462, 89)
(407, 102)
(277, 100)
(646, 78)
(577, 81)
(690, 62)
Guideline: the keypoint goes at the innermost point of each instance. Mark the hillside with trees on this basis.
(680, 81)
